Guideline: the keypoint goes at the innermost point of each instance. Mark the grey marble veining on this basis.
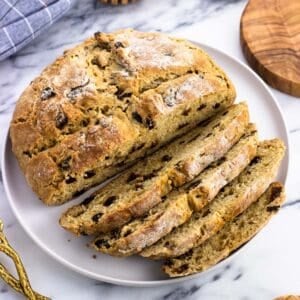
(267, 268)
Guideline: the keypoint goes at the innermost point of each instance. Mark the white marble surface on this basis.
(268, 268)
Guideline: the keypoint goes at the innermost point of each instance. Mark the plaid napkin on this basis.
(22, 20)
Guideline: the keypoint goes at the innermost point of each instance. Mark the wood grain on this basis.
(270, 39)
(288, 297)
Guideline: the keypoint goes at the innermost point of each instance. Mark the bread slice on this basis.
(206, 186)
(175, 209)
(107, 102)
(142, 186)
(231, 201)
(232, 236)
(145, 231)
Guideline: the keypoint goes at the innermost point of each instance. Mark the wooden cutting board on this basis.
(270, 39)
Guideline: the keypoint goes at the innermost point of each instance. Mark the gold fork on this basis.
(22, 284)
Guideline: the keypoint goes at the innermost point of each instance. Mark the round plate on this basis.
(41, 222)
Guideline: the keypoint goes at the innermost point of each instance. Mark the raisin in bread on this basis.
(143, 185)
(175, 209)
(232, 236)
(231, 201)
(114, 98)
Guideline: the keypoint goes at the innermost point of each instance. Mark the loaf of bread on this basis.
(175, 207)
(232, 236)
(230, 202)
(146, 183)
(107, 102)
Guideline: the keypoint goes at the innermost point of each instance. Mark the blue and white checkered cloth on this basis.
(22, 20)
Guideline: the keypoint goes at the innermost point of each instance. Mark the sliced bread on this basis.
(232, 236)
(175, 209)
(145, 231)
(144, 185)
(230, 202)
(207, 185)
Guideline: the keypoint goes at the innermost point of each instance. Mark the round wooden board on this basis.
(270, 39)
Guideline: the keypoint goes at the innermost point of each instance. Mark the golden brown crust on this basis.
(107, 102)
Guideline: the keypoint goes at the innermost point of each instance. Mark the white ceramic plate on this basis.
(41, 222)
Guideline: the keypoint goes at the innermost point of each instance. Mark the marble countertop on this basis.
(267, 268)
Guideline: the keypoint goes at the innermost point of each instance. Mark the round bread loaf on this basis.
(114, 98)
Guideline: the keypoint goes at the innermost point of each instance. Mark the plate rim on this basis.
(149, 283)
